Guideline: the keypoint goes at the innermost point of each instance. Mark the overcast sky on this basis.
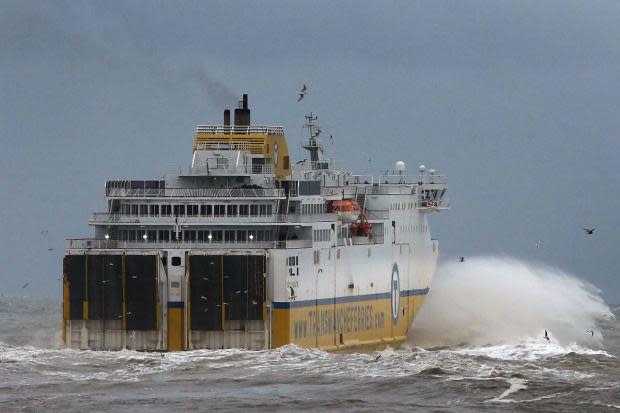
(518, 102)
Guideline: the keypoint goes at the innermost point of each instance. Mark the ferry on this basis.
(247, 248)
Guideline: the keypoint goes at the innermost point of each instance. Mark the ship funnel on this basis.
(242, 113)
(227, 117)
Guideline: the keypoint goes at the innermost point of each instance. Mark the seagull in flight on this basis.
(300, 162)
(26, 285)
(461, 259)
(302, 93)
(591, 332)
(547, 336)
(589, 231)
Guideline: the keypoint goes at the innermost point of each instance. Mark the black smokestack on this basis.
(227, 117)
(242, 113)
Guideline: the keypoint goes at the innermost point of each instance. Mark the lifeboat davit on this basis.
(348, 209)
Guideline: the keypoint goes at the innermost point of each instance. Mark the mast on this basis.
(313, 144)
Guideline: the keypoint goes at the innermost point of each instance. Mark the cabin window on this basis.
(192, 210)
(231, 210)
(134, 210)
(254, 210)
(203, 210)
(164, 236)
(263, 210)
(176, 261)
(244, 210)
(151, 236)
(242, 235)
(219, 210)
(166, 210)
(229, 236)
(154, 210)
(252, 236)
(216, 236)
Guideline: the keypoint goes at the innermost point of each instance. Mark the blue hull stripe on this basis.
(176, 304)
(348, 299)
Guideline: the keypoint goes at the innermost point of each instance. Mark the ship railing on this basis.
(114, 218)
(96, 243)
(217, 166)
(377, 214)
(360, 240)
(240, 130)
(197, 192)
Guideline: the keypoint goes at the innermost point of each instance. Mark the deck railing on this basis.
(240, 130)
(95, 243)
(197, 192)
(99, 218)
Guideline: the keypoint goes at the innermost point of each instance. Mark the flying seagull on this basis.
(589, 231)
(591, 332)
(547, 336)
(50, 249)
(378, 357)
(302, 93)
(300, 162)
(461, 259)
(26, 285)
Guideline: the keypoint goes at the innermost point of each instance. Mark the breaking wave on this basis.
(488, 301)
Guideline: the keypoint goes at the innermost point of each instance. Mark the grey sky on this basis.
(518, 102)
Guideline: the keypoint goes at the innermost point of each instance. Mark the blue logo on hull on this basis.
(395, 289)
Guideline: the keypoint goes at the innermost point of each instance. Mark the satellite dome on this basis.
(399, 166)
(431, 171)
(421, 168)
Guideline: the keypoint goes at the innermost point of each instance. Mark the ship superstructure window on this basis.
(192, 210)
(144, 210)
(292, 261)
(244, 210)
(164, 236)
(231, 210)
(166, 210)
(154, 210)
(216, 236)
(126, 209)
(254, 210)
(176, 261)
(134, 210)
(317, 257)
(219, 210)
(229, 236)
(179, 210)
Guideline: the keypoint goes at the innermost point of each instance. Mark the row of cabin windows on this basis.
(208, 210)
(321, 235)
(196, 235)
(308, 209)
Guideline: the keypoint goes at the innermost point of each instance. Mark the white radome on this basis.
(400, 166)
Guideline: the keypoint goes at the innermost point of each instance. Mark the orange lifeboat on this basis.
(348, 209)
